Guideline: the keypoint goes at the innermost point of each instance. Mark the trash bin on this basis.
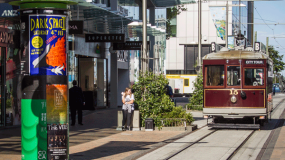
(148, 124)
(176, 90)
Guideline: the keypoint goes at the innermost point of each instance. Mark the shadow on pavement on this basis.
(110, 149)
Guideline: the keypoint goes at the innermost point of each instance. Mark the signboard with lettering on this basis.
(129, 45)
(254, 62)
(47, 44)
(75, 27)
(6, 37)
(104, 38)
(7, 10)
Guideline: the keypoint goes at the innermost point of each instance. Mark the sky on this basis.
(271, 12)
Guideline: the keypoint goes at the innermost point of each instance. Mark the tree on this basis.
(276, 58)
(196, 101)
(152, 101)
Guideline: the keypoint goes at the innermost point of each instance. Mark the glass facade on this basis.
(10, 61)
(240, 15)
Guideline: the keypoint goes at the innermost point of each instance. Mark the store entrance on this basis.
(92, 79)
(2, 109)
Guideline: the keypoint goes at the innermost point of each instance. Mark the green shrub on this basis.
(152, 101)
(196, 100)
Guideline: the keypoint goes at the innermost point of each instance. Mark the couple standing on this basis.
(128, 107)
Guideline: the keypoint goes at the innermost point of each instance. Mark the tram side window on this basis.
(233, 75)
(215, 75)
(254, 77)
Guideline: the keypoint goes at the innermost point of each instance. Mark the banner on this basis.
(47, 44)
(219, 18)
(57, 127)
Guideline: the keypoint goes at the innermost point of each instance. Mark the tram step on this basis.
(233, 126)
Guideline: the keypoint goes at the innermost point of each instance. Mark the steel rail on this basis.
(171, 156)
(240, 146)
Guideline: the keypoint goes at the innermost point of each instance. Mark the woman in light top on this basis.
(128, 104)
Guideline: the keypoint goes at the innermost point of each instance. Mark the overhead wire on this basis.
(270, 28)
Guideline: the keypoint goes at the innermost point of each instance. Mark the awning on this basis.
(135, 30)
(99, 19)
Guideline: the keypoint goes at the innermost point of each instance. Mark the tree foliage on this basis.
(196, 101)
(152, 101)
(276, 58)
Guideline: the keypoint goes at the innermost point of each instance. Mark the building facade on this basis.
(182, 47)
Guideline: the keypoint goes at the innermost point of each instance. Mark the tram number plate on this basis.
(233, 92)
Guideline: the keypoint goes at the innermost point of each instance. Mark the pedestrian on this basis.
(128, 106)
(76, 101)
(169, 91)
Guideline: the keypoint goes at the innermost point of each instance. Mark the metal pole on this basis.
(227, 21)
(199, 33)
(267, 40)
(144, 10)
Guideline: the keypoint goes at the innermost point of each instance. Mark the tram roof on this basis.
(236, 54)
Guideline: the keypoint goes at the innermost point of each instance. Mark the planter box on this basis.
(135, 120)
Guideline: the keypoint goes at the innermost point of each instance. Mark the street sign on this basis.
(75, 27)
(104, 38)
(129, 45)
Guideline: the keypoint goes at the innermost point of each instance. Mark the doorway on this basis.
(92, 78)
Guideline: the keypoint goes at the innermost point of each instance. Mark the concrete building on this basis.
(182, 46)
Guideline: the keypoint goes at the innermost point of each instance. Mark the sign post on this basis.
(44, 85)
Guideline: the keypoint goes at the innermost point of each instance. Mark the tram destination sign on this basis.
(105, 38)
(129, 45)
(254, 62)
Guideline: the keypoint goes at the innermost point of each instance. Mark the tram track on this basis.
(240, 146)
(193, 143)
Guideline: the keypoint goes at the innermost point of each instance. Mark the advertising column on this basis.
(44, 85)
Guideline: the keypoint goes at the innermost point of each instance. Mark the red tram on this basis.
(237, 85)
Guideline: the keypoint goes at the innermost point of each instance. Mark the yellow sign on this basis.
(169, 76)
(37, 42)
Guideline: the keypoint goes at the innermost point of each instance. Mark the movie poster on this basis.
(57, 127)
(47, 44)
(57, 141)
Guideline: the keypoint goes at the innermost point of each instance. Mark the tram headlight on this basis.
(233, 99)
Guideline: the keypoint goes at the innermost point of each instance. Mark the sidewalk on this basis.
(96, 139)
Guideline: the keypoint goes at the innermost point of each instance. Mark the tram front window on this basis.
(254, 77)
(215, 75)
(233, 75)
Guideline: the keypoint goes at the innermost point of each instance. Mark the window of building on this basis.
(215, 75)
(186, 82)
(233, 75)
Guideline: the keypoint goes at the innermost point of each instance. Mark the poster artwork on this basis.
(57, 142)
(47, 44)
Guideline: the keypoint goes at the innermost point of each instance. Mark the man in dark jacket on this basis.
(76, 100)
